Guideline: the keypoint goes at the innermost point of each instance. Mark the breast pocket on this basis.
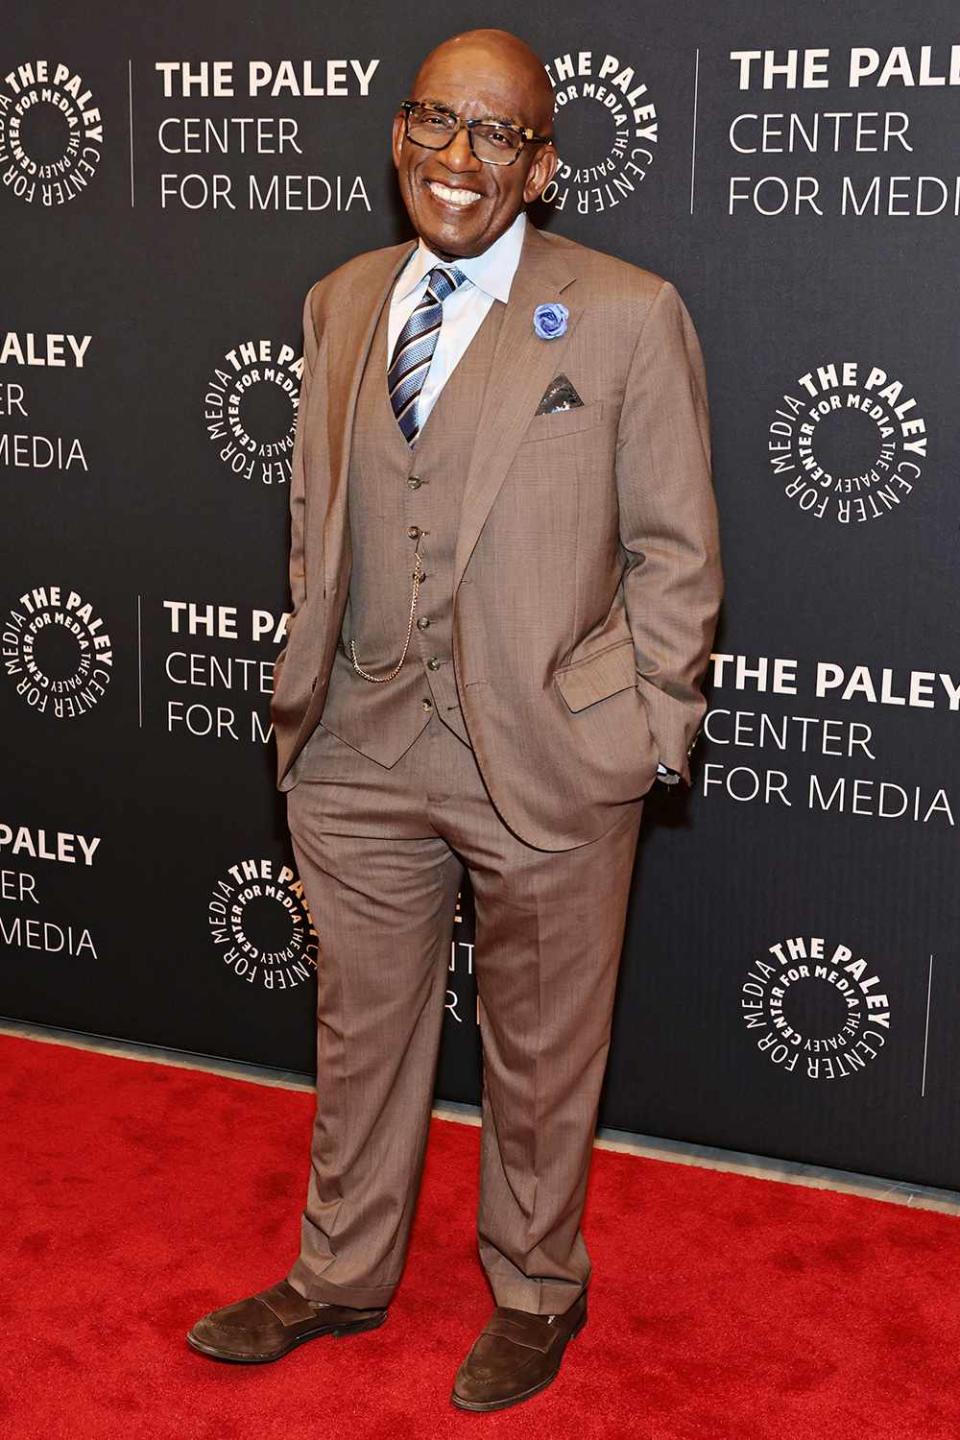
(563, 422)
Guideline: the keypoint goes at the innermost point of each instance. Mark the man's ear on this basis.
(397, 138)
(541, 172)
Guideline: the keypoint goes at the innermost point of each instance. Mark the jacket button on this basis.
(433, 663)
(414, 482)
(427, 704)
(424, 622)
(413, 531)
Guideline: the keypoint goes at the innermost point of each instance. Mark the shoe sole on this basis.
(354, 1328)
(481, 1406)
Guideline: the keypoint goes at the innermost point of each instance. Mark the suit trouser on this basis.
(381, 854)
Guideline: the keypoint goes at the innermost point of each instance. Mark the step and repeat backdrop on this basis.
(171, 183)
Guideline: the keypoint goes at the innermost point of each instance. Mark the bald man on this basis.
(505, 576)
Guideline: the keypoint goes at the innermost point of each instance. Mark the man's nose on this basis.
(458, 156)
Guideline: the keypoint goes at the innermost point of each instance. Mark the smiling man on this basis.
(461, 204)
(505, 575)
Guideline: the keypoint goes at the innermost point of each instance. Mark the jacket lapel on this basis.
(522, 367)
(350, 332)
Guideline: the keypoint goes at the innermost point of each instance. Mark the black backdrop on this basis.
(169, 189)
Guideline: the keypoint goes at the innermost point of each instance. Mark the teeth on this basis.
(463, 198)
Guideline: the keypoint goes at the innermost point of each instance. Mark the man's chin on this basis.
(450, 239)
(445, 230)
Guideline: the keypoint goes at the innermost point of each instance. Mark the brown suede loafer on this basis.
(516, 1354)
(271, 1323)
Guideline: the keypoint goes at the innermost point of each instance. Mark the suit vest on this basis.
(398, 498)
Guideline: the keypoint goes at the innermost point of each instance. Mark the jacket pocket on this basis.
(598, 676)
(563, 422)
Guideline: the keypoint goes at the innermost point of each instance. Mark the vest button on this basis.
(414, 482)
(423, 622)
(427, 704)
(433, 663)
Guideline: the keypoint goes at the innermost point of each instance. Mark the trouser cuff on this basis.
(539, 1297)
(359, 1297)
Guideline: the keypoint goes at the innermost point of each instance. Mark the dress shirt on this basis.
(490, 276)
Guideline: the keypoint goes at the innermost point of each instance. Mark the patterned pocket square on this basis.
(559, 395)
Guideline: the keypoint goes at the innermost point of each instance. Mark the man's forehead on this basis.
(498, 88)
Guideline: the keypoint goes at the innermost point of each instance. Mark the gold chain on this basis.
(379, 679)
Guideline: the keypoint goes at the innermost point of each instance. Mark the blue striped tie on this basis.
(415, 346)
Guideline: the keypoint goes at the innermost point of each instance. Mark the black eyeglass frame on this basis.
(524, 132)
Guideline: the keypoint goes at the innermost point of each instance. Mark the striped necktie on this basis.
(415, 346)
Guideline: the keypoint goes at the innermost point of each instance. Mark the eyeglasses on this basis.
(434, 127)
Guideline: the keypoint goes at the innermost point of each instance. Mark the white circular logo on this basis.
(250, 410)
(51, 133)
(849, 443)
(56, 652)
(258, 919)
(815, 1009)
(606, 131)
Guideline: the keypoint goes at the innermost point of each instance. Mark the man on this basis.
(505, 575)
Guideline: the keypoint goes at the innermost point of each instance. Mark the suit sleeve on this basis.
(298, 578)
(673, 582)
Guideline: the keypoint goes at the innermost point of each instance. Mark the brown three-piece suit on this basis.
(571, 586)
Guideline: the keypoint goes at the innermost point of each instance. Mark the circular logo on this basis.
(51, 133)
(606, 131)
(258, 919)
(250, 410)
(56, 652)
(849, 445)
(815, 1009)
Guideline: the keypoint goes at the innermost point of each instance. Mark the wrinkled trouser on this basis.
(381, 854)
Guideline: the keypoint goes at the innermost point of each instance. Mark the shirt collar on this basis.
(492, 271)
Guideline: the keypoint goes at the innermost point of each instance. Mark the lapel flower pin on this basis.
(550, 321)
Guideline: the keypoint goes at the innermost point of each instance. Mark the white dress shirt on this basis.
(490, 276)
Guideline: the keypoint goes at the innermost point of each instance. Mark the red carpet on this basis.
(138, 1196)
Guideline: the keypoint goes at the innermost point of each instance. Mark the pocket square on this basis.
(559, 395)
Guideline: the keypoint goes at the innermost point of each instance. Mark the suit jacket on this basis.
(587, 578)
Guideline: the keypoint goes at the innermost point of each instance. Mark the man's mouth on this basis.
(461, 197)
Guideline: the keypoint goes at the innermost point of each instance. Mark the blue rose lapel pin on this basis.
(550, 321)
